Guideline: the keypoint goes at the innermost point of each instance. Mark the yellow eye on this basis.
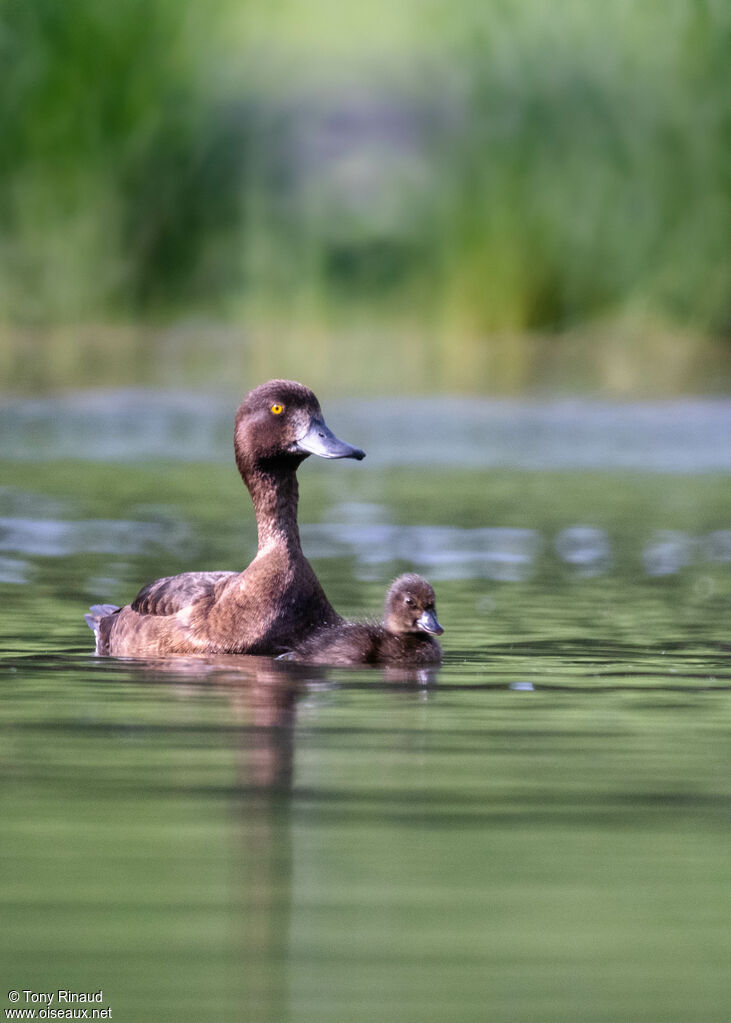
(277, 409)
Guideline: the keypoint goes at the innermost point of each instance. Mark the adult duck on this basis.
(277, 601)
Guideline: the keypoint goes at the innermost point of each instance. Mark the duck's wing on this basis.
(169, 595)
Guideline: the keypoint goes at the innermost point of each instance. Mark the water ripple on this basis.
(684, 436)
(54, 538)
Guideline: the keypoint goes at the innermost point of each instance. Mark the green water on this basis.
(538, 831)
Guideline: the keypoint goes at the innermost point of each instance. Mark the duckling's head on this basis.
(281, 421)
(411, 606)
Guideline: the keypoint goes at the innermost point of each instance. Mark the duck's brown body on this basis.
(277, 601)
(404, 637)
(259, 611)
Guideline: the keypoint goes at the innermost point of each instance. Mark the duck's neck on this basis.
(275, 495)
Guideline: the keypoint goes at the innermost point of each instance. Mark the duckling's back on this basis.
(353, 643)
(342, 644)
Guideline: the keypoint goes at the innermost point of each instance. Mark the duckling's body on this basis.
(405, 636)
(277, 601)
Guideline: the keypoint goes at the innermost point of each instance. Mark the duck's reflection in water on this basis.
(263, 696)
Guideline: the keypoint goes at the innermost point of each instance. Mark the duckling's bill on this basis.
(427, 622)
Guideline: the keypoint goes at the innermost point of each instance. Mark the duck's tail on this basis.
(96, 613)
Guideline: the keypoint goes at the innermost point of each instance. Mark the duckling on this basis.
(277, 601)
(405, 636)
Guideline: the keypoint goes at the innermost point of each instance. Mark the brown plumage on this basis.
(277, 600)
(405, 636)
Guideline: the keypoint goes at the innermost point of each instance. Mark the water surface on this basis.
(536, 830)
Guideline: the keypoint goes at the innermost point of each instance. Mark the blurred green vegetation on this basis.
(446, 195)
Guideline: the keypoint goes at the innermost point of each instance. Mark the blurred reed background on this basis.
(421, 195)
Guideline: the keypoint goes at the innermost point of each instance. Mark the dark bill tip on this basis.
(320, 440)
(427, 622)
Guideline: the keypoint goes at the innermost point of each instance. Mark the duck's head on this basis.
(411, 606)
(281, 421)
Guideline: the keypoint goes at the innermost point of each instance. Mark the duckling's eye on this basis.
(409, 601)
(277, 409)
